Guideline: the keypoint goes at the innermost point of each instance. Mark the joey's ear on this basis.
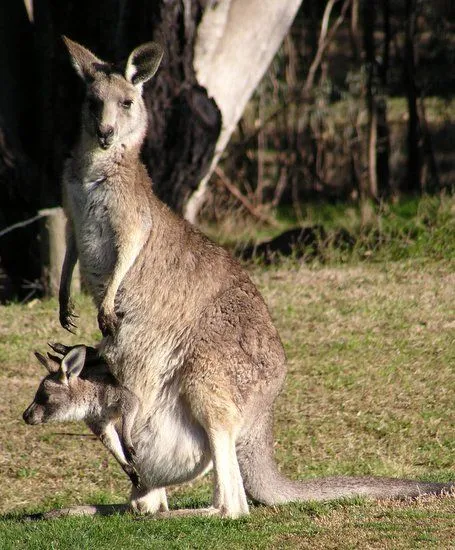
(73, 363)
(45, 361)
(143, 63)
(83, 60)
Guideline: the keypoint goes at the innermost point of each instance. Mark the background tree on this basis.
(216, 52)
(340, 115)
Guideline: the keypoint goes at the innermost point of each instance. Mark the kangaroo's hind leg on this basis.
(212, 404)
(229, 494)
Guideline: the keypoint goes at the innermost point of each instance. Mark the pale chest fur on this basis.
(89, 200)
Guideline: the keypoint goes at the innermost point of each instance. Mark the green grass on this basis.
(336, 525)
(419, 228)
(370, 390)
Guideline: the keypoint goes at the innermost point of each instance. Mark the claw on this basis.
(69, 329)
(130, 454)
(136, 480)
(133, 475)
(66, 317)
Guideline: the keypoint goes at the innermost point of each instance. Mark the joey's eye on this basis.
(127, 104)
(42, 399)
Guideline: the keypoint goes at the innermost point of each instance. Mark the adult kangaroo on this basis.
(185, 328)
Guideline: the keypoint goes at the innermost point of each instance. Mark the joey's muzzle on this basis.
(32, 415)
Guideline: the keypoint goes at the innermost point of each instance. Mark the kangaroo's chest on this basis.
(90, 203)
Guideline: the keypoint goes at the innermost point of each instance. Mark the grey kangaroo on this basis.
(185, 328)
(74, 391)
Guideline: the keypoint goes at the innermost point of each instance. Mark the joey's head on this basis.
(114, 112)
(59, 394)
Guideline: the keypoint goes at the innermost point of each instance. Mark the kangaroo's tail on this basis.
(264, 483)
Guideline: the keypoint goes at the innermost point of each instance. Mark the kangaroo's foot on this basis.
(146, 501)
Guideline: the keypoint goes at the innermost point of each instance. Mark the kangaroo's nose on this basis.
(27, 415)
(105, 136)
(105, 132)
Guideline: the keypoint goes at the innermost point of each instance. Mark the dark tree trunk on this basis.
(18, 250)
(371, 100)
(378, 130)
(412, 182)
(184, 122)
(383, 168)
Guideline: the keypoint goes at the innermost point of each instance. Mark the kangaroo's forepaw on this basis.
(66, 320)
(131, 472)
(136, 480)
(108, 323)
(130, 453)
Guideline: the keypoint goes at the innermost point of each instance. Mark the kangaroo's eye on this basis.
(42, 399)
(127, 104)
(92, 105)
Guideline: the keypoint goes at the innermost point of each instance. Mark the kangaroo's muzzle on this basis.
(105, 136)
(31, 415)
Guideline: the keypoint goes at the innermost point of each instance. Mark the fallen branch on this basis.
(241, 198)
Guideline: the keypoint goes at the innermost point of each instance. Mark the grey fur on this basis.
(72, 391)
(185, 328)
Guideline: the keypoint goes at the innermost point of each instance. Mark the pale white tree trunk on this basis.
(236, 42)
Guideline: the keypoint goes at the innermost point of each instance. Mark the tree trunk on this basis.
(236, 41)
(383, 153)
(370, 96)
(414, 171)
(17, 133)
(222, 46)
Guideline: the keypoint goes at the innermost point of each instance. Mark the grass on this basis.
(421, 228)
(370, 390)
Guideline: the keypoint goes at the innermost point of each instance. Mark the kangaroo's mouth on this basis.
(31, 420)
(104, 143)
(105, 136)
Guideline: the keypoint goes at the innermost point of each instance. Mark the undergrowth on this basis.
(420, 228)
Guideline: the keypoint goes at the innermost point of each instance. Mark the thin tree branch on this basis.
(325, 38)
(18, 225)
(241, 198)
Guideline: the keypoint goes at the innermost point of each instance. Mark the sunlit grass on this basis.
(370, 390)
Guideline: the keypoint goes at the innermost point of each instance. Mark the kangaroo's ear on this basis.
(45, 361)
(143, 63)
(83, 60)
(72, 363)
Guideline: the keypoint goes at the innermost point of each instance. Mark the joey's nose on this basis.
(27, 416)
(105, 136)
(33, 415)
